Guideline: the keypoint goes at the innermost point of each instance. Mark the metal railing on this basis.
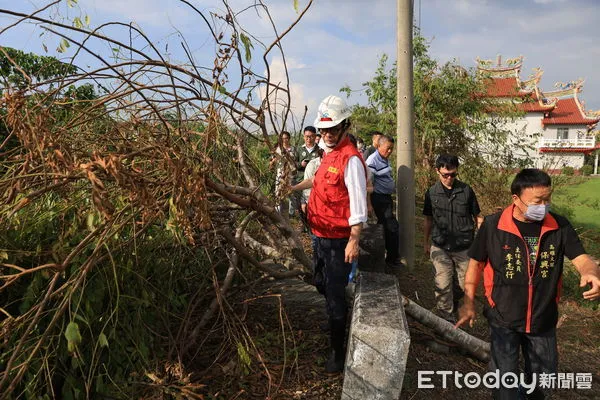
(579, 143)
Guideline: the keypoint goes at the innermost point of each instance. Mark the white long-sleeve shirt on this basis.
(356, 182)
(309, 172)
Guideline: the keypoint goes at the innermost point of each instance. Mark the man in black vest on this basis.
(451, 211)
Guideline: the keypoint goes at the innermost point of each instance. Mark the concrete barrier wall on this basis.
(378, 341)
(372, 249)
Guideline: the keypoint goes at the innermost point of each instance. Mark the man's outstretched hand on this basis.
(466, 314)
(594, 282)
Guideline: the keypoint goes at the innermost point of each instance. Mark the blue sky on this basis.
(338, 42)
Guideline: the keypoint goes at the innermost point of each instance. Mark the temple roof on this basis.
(511, 67)
(566, 89)
(569, 111)
(560, 107)
(503, 87)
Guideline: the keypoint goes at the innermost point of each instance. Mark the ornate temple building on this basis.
(555, 124)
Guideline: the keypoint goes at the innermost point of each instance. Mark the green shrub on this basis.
(118, 320)
(571, 289)
(565, 209)
(586, 170)
(569, 171)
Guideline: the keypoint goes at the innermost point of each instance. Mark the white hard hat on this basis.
(331, 112)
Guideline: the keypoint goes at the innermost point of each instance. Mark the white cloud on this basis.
(548, 1)
(469, 8)
(557, 23)
(156, 13)
(339, 43)
(559, 39)
(278, 99)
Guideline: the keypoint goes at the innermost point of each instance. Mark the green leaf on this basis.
(247, 46)
(80, 318)
(296, 5)
(67, 393)
(222, 89)
(90, 221)
(102, 340)
(244, 358)
(63, 45)
(73, 336)
(87, 20)
(77, 23)
(99, 384)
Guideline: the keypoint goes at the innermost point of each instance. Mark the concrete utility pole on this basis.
(405, 206)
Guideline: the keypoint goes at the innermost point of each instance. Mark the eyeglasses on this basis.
(332, 131)
(450, 175)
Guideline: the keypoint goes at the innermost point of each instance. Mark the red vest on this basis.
(329, 202)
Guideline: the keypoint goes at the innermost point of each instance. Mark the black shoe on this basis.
(397, 263)
(335, 363)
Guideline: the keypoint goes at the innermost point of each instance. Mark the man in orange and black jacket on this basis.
(520, 253)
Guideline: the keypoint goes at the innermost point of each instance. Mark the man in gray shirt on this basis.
(381, 198)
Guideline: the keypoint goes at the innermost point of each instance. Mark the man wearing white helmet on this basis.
(337, 207)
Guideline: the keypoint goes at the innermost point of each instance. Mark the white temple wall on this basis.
(557, 161)
(529, 129)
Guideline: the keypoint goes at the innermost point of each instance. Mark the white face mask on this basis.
(323, 146)
(537, 212)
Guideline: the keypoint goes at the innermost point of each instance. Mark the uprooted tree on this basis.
(131, 195)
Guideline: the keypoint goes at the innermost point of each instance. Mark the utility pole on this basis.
(405, 189)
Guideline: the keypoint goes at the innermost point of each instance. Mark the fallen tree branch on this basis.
(474, 346)
(250, 258)
(262, 248)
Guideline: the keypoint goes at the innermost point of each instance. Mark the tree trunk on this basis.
(474, 346)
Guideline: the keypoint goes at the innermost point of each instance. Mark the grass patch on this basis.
(579, 200)
(571, 289)
(582, 199)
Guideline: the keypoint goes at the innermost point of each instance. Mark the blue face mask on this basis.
(536, 212)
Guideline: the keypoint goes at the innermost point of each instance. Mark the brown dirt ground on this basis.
(287, 338)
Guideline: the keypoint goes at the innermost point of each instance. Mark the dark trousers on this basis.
(330, 278)
(539, 354)
(331, 274)
(383, 205)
